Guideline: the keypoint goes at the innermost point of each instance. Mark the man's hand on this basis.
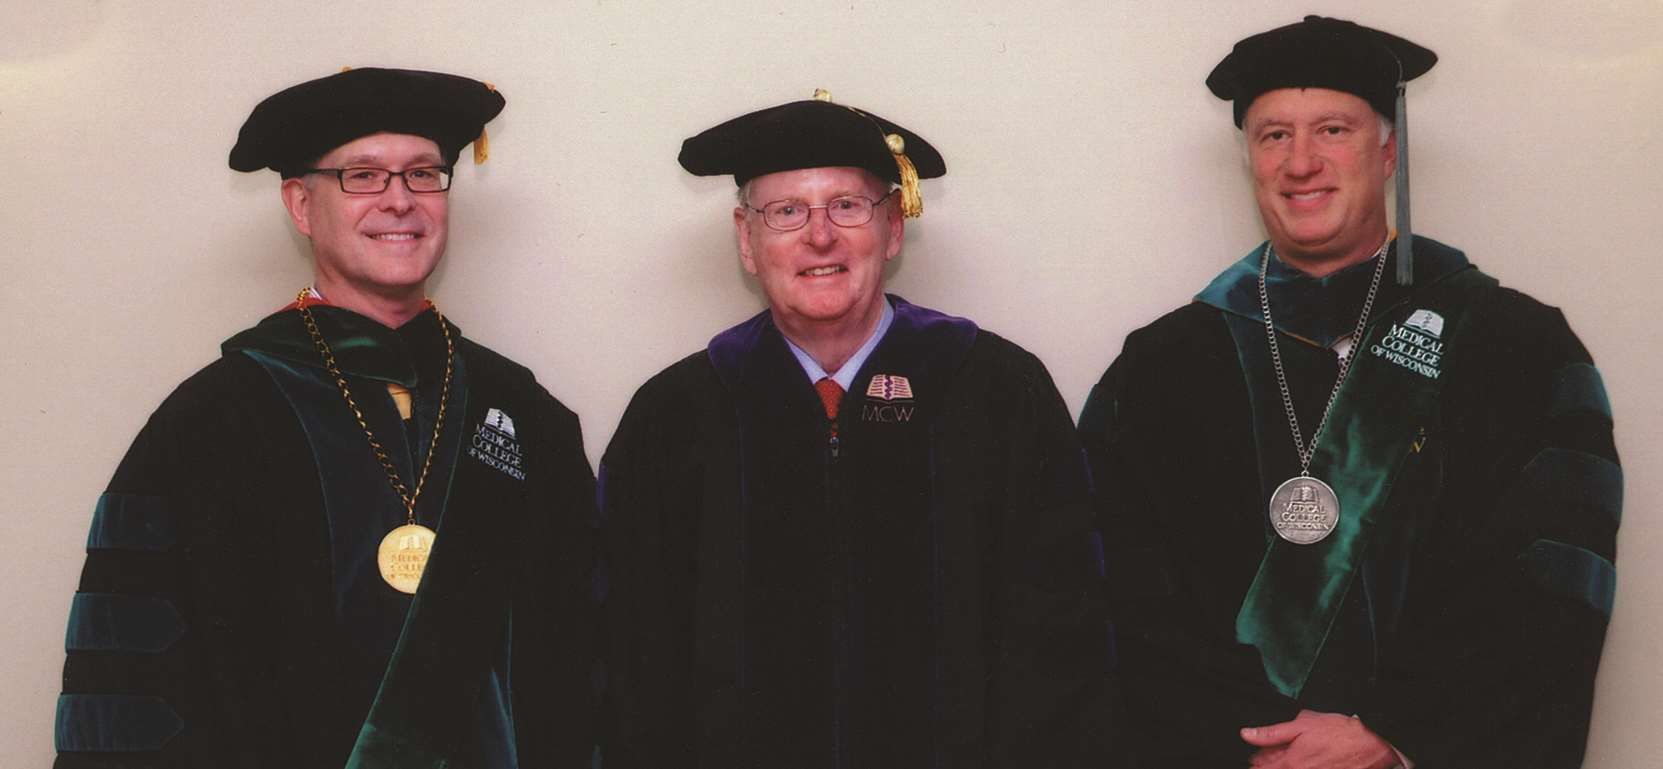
(1315, 740)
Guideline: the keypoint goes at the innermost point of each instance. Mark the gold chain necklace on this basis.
(403, 553)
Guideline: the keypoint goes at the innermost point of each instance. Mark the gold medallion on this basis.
(403, 556)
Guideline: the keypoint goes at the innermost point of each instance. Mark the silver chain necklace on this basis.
(1304, 510)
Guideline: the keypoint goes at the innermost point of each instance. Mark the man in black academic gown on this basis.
(852, 531)
(1414, 571)
(246, 599)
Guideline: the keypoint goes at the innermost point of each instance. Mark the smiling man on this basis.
(1353, 521)
(852, 531)
(359, 538)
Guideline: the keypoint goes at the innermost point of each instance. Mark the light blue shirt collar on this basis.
(846, 376)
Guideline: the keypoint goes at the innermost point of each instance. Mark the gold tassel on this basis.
(481, 147)
(345, 69)
(912, 202)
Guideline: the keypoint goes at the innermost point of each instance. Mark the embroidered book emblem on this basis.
(1426, 320)
(1413, 344)
(889, 399)
(889, 387)
(495, 444)
(495, 418)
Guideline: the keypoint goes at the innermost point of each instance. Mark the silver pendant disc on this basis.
(1304, 510)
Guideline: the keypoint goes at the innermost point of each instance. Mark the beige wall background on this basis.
(1093, 184)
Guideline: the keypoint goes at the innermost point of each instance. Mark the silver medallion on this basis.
(1304, 510)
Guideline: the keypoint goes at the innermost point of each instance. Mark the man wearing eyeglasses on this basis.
(359, 538)
(852, 531)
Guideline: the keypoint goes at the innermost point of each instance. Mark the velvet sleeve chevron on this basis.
(165, 637)
(125, 627)
(128, 655)
(1533, 490)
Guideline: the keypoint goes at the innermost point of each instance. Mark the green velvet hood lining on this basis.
(1322, 310)
(407, 355)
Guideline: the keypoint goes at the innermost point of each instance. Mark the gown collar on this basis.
(411, 355)
(1321, 311)
(735, 351)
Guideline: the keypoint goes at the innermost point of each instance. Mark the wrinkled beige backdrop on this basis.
(1093, 184)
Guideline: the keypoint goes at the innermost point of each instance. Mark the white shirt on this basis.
(845, 376)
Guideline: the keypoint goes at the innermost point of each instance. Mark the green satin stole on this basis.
(1377, 422)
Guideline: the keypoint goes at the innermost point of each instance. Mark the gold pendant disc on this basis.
(403, 556)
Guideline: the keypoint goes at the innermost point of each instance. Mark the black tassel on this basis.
(1405, 238)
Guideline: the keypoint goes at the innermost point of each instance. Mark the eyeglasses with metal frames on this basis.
(844, 211)
(372, 181)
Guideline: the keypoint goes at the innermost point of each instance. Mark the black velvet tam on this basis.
(805, 134)
(297, 125)
(1320, 53)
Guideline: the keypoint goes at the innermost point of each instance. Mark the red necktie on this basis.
(831, 395)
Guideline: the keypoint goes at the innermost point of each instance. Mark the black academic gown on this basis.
(231, 614)
(1471, 631)
(921, 594)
